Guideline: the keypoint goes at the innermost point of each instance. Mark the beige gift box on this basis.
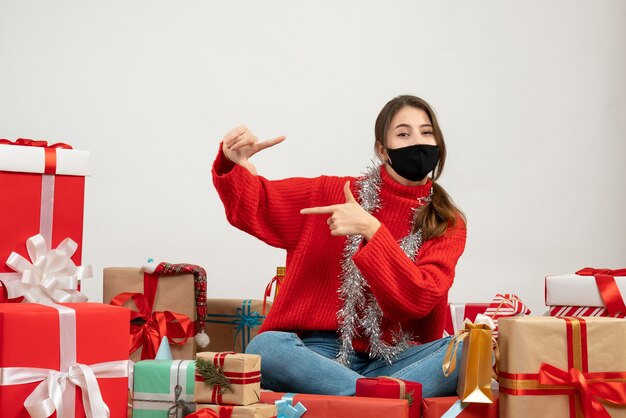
(257, 410)
(174, 293)
(243, 372)
(232, 323)
(527, 343)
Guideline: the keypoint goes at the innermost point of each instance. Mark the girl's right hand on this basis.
(240, 144)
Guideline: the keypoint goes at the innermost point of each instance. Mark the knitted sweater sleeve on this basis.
(405, 289)
(266, 209)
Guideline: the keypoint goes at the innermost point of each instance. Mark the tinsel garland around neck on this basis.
(360, 308)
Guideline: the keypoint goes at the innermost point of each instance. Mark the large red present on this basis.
(451, 406)
(42, 190)
(81, 360)
(457, 313)
(327, 406)
(389, 387)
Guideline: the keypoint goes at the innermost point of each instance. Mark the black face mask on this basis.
(415, 161)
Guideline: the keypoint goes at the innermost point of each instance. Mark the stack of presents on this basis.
(157, 347)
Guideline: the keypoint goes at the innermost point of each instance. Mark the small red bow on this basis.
(204, 413)
(154, 326)
(25, 142)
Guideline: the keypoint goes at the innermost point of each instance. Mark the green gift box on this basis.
(163, 388)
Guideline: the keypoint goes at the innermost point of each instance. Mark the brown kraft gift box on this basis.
(256, 410)
(557, 367)
(232, 323)
(174, 293)
(242, 372)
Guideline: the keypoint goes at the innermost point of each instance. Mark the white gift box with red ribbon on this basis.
(588, 292)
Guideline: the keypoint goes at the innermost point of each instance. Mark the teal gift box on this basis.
(163, 388)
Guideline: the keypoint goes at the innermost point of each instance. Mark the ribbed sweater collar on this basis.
(409, 192)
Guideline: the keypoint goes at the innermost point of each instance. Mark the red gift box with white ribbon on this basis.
(42, 188)
(79, 367)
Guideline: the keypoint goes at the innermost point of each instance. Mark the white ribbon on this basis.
(484, 320)
(54, 393)
(50, 276)
(48, 395)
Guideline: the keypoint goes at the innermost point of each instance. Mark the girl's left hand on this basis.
(347, 218)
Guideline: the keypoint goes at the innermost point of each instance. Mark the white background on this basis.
(531, 97)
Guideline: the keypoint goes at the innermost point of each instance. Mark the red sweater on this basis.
(411, 294)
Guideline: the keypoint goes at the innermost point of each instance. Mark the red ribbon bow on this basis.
(605, 280)
(204, 413)
(25, 142)
(50, 162)
(156, 326)
(590, 387)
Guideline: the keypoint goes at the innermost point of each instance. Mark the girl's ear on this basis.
(381, 152)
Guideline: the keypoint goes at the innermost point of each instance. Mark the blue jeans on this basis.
(308, 365)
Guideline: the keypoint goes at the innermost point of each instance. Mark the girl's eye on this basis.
(427, 133)
(403, 134)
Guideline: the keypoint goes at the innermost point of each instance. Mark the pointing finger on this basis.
(270, 142)
(318, 210)
(349, 197)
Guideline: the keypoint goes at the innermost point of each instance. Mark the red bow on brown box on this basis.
(148, 328)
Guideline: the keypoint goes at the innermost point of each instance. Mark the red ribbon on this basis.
(156, 326)
(268, 291)
(204, 413)
(590, 391)
(50, 166)
(605, 280)
(225, 411)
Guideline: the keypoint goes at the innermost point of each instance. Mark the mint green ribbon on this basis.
(244, 320)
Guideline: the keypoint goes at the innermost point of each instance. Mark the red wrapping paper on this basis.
(21, 207)
(327, 406)
(381, 387)
(102, 334)
(471, 310)
(437, 407)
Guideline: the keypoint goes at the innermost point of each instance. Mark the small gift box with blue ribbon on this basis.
(232, 323)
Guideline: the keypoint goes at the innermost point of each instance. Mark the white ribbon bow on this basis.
(50, 276)
(48, 395)
(484, 320)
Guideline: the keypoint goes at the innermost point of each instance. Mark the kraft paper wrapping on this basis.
(232, 323)
(527, 342)
(244, 373)
(475, 370)
(257, 410)
(174, 293)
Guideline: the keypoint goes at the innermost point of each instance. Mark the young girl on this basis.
(370, 260)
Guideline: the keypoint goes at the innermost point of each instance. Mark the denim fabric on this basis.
(307, 365)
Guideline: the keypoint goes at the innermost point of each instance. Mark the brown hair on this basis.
(435, 217)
